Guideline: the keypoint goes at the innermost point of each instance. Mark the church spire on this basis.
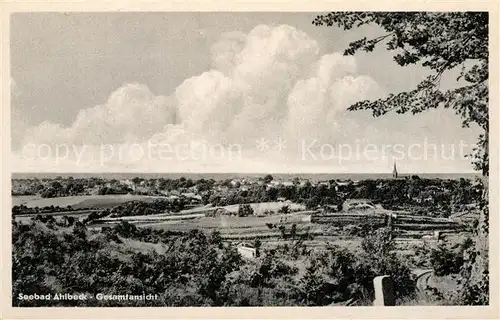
(395, 171)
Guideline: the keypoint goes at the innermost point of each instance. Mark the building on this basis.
(288, 184)
(358, 204)
(247, 251)
(192, 197)
(395, 171)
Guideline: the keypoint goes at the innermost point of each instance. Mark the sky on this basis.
(214, 92)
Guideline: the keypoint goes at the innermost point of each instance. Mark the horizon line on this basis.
(247, 173)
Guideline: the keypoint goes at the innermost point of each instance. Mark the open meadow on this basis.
(81, 202)
(266, 224)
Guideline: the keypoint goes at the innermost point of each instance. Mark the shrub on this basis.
(378, 242)
(334, 276)
(378, 256)
(245, 210)
(284, 209)
(445, 261)
(351, 230)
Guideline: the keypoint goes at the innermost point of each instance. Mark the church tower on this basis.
(395, 171)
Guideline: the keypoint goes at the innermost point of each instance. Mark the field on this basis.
(82, 205)
(414, 236)
(225, 224)
(19, 200)
(231, 222)
(260, 208)
(79, 202)
(325, 228)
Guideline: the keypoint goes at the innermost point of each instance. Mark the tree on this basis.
(272, 194)
(268, 178)
(216, 239)
(313, 202)
(445, 261)
(439, 41)
(137, 180)
(293, 231)
(71, 220)
(245, 210)
(284, 209)
(313, 286)
(257, 244)
(378, 243)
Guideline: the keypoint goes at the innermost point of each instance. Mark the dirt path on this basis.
(422, 279)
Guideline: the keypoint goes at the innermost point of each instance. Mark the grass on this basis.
(261, 207)
(139, 246)
(420, 299)
(79, 202)
(18, 200)
(76, 215)
(232, 222)
(233, 227)
(110, 201)
(154, 218)
(229, 226)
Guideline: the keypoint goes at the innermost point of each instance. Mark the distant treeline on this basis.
(23, 209)
(431, 194)
(59, 187)
(435, 196)
(141, 208)
(129, 208)
(310, 195)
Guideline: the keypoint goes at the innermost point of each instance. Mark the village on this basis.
(263, 216)
(264, 209)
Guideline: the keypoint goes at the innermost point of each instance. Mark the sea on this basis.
(224, 176)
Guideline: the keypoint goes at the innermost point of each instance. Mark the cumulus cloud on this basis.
(317, 105)
(131, 112)
(271, 82)
(226, 49)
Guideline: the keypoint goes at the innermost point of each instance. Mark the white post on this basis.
(384, 291)
(437, 235)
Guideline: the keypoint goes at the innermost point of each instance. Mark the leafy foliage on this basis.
(192, 269)
(445, 261)
(378, 248)
(245, 210)
(81, 262)
(439, 41)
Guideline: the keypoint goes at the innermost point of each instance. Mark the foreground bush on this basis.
(192, 269)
